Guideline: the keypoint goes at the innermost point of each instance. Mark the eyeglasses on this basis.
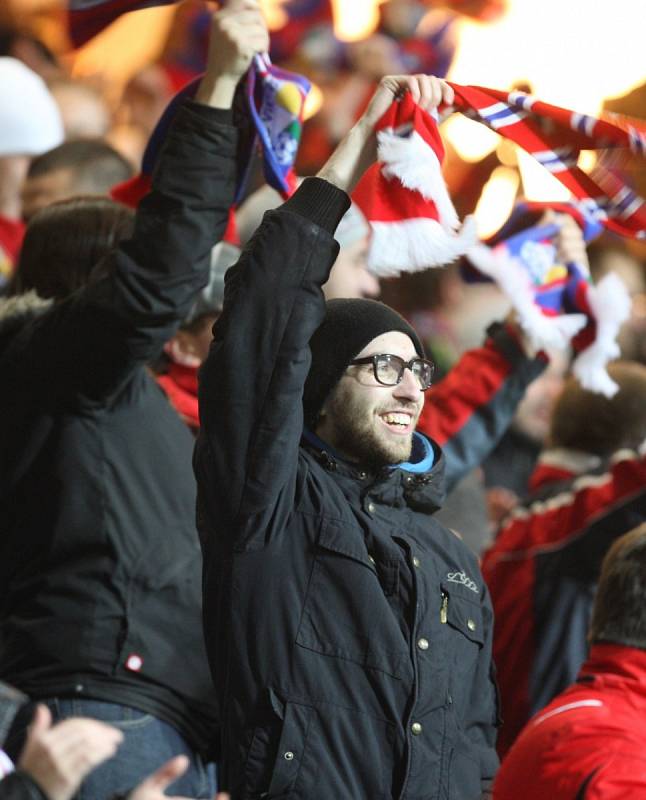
(389, 369)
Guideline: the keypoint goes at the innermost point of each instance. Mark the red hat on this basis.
(404, 196)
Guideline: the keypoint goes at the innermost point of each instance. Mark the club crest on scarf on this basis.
(276, 101)
(557, 304)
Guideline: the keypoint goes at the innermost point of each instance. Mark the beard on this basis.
(357, 435)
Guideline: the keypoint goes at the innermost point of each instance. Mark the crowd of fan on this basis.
(98, 494)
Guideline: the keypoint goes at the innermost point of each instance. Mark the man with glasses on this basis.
(349, 633)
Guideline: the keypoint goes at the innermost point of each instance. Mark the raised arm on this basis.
(468, 411)
(252, 382)
(97, 336)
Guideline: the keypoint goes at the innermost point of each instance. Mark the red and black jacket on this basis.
(542, 571)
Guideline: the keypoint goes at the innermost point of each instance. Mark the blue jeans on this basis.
(147, 744)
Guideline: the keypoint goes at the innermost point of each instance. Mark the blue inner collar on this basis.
(422, 456)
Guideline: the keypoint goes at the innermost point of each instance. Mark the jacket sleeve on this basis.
(89, 344)
(469, 410)
(251, 384)
(19, 786)
(591, 513)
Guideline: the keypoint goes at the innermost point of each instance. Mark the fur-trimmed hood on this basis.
(16, 311)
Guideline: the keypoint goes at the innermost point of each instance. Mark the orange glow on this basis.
(355, 19)
(274, 13)
(313, 102)
(471, 140)
(138, 38)
(496, 201)
(555, 46)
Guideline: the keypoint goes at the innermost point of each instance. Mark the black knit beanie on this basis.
(348, 326)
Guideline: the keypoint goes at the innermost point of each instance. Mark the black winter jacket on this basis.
(100, 565)
(349, 632)
(19, 786)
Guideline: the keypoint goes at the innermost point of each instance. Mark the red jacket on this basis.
(469, 410)
(589, 743)
(542, 571)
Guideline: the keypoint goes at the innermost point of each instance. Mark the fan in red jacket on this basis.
(589, 489)
(589, 743)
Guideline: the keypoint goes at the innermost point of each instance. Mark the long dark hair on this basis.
(66, 244)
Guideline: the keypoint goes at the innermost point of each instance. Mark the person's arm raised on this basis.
(252, 382)
(123, 319)
(358, 150)
(239, 31)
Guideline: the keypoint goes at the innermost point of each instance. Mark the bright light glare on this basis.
(355, 19)
(274, 13)
(538, 184)
(587, 160)
(496, 201)
(471, 140)
(574, 53)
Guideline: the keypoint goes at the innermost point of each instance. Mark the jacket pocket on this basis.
(275, 761)
(464, 621)
(465, 780)
(320, 753)
(346, 614)
(463, 614)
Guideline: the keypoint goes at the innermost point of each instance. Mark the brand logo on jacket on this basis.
(460, 577)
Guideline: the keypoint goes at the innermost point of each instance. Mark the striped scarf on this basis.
(554, 137)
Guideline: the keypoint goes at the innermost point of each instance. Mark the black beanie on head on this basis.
(348, 326)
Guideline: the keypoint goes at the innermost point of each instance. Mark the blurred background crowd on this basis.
(114, 87)
(105, 96)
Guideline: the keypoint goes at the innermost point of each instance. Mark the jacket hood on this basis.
(418, 483)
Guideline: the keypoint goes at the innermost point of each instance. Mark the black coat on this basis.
(19, 786)
(100, 565)
(349, 633)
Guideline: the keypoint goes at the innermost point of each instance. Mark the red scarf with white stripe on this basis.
(522, 118)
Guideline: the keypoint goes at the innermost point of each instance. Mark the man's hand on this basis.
(358, 150)
(153, 787)
(426, 90)
(58, 757)
(238, 31)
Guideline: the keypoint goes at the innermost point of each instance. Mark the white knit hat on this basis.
(30, 122)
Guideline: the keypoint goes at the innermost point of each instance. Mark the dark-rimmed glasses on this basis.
(389, 369)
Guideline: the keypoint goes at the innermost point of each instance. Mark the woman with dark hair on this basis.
(100, 564)
(66, 245)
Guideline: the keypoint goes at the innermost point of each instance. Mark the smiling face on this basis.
(367, 422)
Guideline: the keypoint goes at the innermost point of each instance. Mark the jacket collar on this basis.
(418, 483)
(561, 464)
(611, 663)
